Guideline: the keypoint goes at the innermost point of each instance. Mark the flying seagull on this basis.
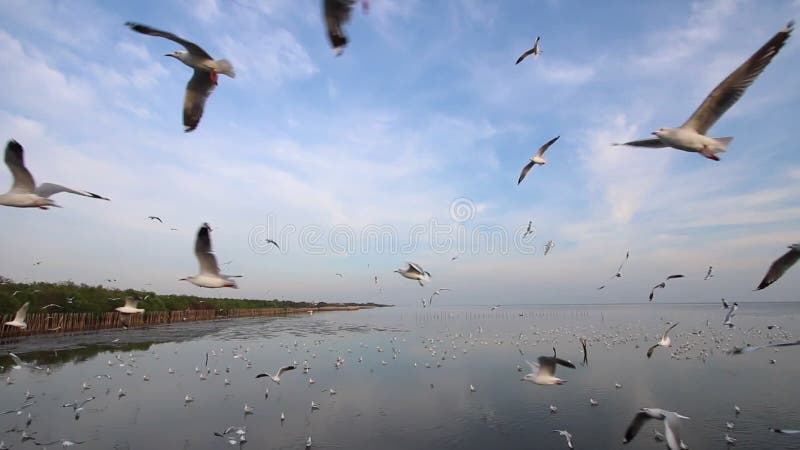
(536, 159)
(671, 426)
(535, 51)
(731, 312)
(19, 363)
(619, 271)
(209, 276)
(566, 435)
(709, 275)
(783, 430)
(780, 266)
(725, 304)
(662, 285)
(529, 231)
(548, 246)
(585, 352)
(63, 442)
(24, 193)
(414, 272)
(544, 370)
(19, 317)
(270, 241)
(155, 218)
(130, 306)
(337, 13)
(436, 292)
(752, 348)
(691, 136)
(277, 377)
(664, 342)
(205, 73)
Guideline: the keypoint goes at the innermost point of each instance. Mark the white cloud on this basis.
(272, 57)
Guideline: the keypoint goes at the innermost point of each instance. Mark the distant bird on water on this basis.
(24, 193)
(691, 136)
(414, 272)
(535, 51)
(671, 426)
(209, 276)
(538, 158)
(618, 274)
(19, 317)
(204, 79)
(780, 266)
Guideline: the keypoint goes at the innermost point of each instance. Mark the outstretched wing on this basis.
(22, 312)
(284, 369)
(778, 268)
(23, 180)
(191, 47)
(525, 171)
(524, 55)
(636, 424)
(198, 89)
(202, 250)
(547, 145)
(650, 143)
(48, 189)
(337, 13)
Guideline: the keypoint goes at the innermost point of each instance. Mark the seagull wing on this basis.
(525, 171)
(23, 180)
(779, 267)
(627, 255)
(672, 431)
(565, 363)
(544, 148)
(198, 89)
(337, 13)
(672, 277)
(651, 350)
(668, 330)
(284, 369)
(193, 48)
(525, 55)
(651, 143)
(131, 302)
(733, 87)
(48, 189)
(547, 365)
(636, 424)
(416, 268)
(202, 250)
(724, 304)
(22, 312)
(86, 401)
(730, 315)
(16, 359)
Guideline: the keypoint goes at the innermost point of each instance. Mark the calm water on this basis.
(398, 405)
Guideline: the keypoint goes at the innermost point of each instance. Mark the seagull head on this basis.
(177, 54)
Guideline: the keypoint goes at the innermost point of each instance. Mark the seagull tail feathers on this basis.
(724, 142)
(225, 67)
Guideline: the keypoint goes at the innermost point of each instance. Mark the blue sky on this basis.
(425, 107)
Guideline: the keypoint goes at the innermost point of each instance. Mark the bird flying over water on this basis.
(664, 342)
(24, 193)
(538, 158)
(277, 377)
(130, 306)
(566, 435)
(414, 272)
(662, 285)
(204, 79)
(619, 271)
(709, 275)
(535, 51)
(731, 312)
(691, 136)
(671, 426)
(780, 266)
(19, 317)
(209, 276)
(544, 370)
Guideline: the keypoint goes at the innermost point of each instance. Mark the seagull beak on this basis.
(654, 133)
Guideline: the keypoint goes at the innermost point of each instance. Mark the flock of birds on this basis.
(690, 137)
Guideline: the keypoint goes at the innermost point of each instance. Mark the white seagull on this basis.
(538, 158)
(618, 274)
(566, 435)
(277, 377)
(204, 79)
(784, 431)
(130, 306)
(544, 370)
(671, 426)
(414, 272)
(436, 292)
(691, 136)
(19, 317)
(731, 312)
(780, 266)
(209, 276)
(548, 246)
(24, 193)
(709, 275)
(535, 51)
(664, 342)
(662, 285)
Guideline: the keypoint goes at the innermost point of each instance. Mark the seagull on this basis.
(63, 442)
(548, 246)
(535, 51)
(248, 409)
(619, 271)
(339, 275)
(553, 409)
(277, 377)
(780, 266)
(24, 193)
(536, 159)
(209, 276)
(19, 363)
(19, 317)
(337, 13)
(729, 439)
(737, 410)
(17, 411)
(544, 370)
(783, 431)
(585, 352)
(729, 316)
(130, 306)
(709, 275)
(752, 348)
(593, 402)
(662, 285)
(51, 305)
(414, 272)
(566, 434)
(691, 136)
(671, 426)
(530, 230)
(204, 79)
(77, 407)
(725, 304)
(664, 342)
(270, 241)
(155, 218)
(436, 292)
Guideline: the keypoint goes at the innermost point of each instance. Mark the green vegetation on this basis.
(73, 297)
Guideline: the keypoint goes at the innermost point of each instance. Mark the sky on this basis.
(405, 148)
